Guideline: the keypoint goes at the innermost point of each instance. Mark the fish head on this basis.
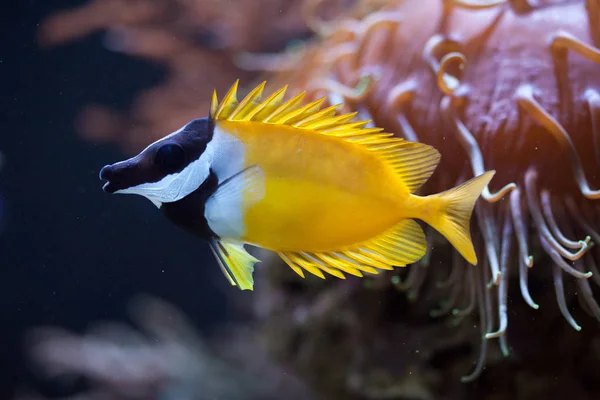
(167, 170)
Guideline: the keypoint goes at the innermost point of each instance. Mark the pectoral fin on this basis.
(248, 183)
(235, 262)
(225, 209)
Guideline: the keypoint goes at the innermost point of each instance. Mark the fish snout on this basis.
(107, 173)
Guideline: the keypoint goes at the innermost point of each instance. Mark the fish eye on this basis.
(169, 158)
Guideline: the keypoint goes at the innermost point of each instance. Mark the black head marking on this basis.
(167, 156)
(188, 213)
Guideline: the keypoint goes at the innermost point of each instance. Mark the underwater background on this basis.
(68, 255)
(86, 83)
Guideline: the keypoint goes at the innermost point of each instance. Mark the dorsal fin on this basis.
(413, 162)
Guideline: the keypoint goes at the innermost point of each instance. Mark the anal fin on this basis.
(403, 244)
(235, 262)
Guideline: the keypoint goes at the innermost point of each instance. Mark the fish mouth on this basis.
(107, 188)
(104, 175)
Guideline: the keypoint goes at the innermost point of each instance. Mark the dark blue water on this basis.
(69, 253)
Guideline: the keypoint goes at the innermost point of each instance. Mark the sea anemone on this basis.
(504, 85)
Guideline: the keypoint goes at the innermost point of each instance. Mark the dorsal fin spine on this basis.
(268, 105)
(326, 112)
(331, 121)
(214, 104)
(289, 105)
(358, 125)
(246, 105)
(226, 104)
(297, 115)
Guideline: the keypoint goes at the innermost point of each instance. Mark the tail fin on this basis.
(452, 211)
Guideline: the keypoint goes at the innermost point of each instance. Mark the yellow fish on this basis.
(326, 193)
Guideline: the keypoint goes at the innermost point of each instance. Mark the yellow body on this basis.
(335, 196)
(322, 193)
